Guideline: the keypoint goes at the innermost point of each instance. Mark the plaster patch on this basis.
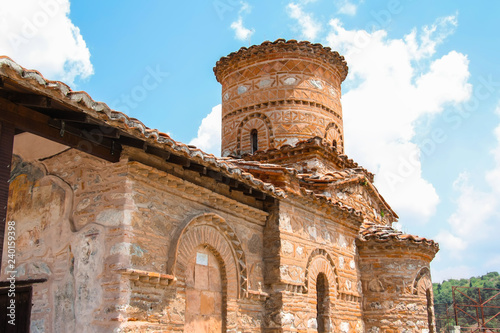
(120, 248)
(287, 318)
(285, 222)
(312, 232)
(286, 247)
(110, 217)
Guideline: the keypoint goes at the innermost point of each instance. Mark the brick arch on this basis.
(336, 135)
(422, 286)
(422, 282)
(321, 261)
(262, 124)
(212, 231)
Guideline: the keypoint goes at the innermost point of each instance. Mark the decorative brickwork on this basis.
(296, 85)
(321, 262)
(212, 230)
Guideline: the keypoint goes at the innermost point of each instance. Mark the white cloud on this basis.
(493, 176)
(241, 32)
(390, 91)
(310, 27)
(39, 34)
(347, 7)
(431, 36)
(474, 210)
(209, 132)
(450, 243)
(245, 7)
(475, 223)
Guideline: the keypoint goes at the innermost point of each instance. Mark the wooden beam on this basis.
(37, 123)
(6, 145)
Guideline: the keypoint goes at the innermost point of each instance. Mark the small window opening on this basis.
(334, 144)
(322, 303)
(254, 142)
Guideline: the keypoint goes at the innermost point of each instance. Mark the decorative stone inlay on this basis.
(242, 90)
(226, 96)
(341, 262)
(265, 83)
(290, 81)
(348, 284)
(316, 83)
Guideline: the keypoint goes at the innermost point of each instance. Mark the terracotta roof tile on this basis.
(383, 233)
(33, 80)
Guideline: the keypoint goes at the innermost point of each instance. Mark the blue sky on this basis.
(421, 102)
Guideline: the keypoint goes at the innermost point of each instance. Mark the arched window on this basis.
(334, 144)
(254, 140)
(322, 302)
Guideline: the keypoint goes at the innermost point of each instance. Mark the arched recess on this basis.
(333, 135)
(321, 261)
(259, 122)
(422, 281)
(214, 232)
(422, 286)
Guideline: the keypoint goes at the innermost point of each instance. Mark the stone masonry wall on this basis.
(173, 221)
(312, 243)
(69, 211)
(397, 288)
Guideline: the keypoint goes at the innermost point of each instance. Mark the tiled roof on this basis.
(381, 233)
(311, 144)
(34, 81)
(332, 177)
(317, 51)
(267, 167)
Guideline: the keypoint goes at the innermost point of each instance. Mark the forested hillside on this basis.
(442, 291)
(443, 300)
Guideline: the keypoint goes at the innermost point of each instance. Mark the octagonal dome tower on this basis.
(279, 93)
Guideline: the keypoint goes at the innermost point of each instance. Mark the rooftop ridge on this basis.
(315, 142)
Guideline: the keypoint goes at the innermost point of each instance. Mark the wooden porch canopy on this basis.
(50, 109)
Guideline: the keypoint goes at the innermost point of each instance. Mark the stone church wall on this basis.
(68, 213)
(311, 244)
(397, 289)
(175, 220)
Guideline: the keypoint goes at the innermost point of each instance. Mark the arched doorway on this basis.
(322, 302)
(205, 301)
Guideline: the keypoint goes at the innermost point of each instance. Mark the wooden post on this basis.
(6, 145)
